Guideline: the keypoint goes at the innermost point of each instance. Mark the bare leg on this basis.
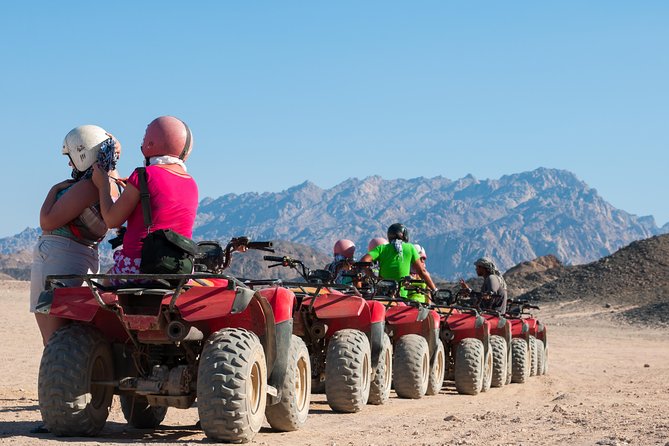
(48, 325)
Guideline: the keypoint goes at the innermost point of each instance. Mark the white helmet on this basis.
(82, 145)
(421, 251)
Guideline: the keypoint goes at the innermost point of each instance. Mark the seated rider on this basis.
(343, 251)
(373, 243)
(397, 257)
(173, 192)
(493, 291)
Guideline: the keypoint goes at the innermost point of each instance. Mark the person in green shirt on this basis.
(397, 257)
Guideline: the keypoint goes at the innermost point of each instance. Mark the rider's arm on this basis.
(56, 212)
(115, 213)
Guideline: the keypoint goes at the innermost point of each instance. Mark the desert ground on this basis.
(607, 384)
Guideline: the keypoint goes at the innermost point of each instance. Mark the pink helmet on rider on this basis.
(167, 135)
(345, 248)
(376, 241)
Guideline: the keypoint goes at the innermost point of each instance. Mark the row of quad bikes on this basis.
(249, 350)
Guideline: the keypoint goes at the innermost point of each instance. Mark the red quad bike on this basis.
(500, 341)
(162, 341)
(530, 341)
(467, 335)
(419, 361)
(344, 333)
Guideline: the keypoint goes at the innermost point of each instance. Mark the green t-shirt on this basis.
(391, 265)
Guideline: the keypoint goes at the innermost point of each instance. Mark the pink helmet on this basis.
(421, 251)
(167, 135)
(376, 241)
(344, 247)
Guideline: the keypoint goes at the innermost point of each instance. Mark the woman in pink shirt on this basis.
(174, 196)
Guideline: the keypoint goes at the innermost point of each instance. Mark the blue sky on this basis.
(277, 93)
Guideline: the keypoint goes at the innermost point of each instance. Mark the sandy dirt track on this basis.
(606, 385)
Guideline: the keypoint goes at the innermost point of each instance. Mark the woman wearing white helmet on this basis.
(70, 219)
(173, 193)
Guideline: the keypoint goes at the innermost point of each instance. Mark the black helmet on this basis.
(398, 231)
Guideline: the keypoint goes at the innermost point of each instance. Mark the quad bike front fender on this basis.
(337, 306)
(519, 328)
(533, 326)
(465, 325)
(405, 319)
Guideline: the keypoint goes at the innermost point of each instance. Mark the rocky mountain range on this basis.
(512, 219)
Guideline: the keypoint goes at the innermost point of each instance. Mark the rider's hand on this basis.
(100, 177)
(465, 290)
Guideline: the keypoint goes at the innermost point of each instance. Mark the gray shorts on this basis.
(54, 254)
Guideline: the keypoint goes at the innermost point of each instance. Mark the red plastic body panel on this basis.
(340, 311)
(465, 325)
(282, 301)
(336, 305)
(519, 329)
(207, 308)
(377, 311)
(497, 325)
(533, 325)
(77, 303)
(403, 320)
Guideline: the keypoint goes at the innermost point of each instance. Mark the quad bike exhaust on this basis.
(178, 331)
(318, 330)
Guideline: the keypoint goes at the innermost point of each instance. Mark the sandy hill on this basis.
(636, 276)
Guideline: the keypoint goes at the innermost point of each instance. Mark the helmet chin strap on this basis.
(187, 144)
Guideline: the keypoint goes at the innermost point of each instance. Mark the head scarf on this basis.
(488, 264)
(166, 159)
(107, 159)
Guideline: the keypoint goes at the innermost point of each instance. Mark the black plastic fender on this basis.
(283, 337)
(376, 333)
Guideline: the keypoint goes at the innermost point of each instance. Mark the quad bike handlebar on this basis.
(289, 262)
(516, 307)
(211, 257)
